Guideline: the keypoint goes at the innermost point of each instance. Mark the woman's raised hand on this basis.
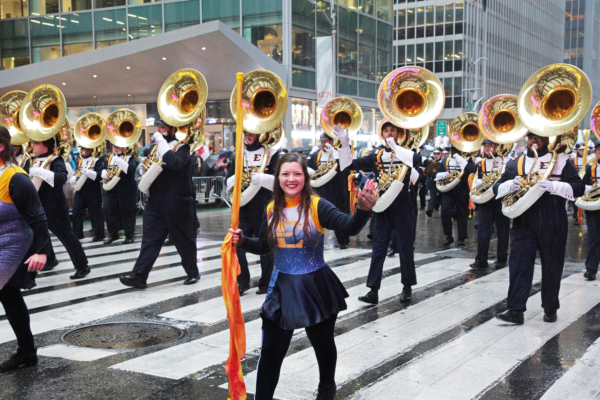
(238, 236)
(367, 197)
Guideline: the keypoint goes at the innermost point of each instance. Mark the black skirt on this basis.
(298, 301)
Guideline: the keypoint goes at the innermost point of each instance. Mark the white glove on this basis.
(158, 138)
(404, 155)
(44, 174)
(478, 182)
(516, 184)
(122, 164)
(311, 172)
(342, 135)
(441, 176)
(34, 171)
(163, 148)
(263, 180)
(548, 186)
(73, 180)
(104, 174)
(588, 188)
(230, 182)
(461, 161)
(90, 173)
(334, 153)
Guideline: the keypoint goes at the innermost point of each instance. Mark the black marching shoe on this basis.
(111, 239)
(344, 246)
(326, 392)
(479, 265)
(128, 240)
(576, 223)
(590, 275)
(168, 242)
(263, 290)
(81, 273)
(133, 280)
(550, 316)
(429, 213)
(242, 289)
(460, 243)
(369, 236)
(98, 238)
(391, 252)
(515, 317)
(500, 264)
(406, 296)
(79, 235)
(20, 359)
(371, 298)
(449, 240)
(50, 265)
(192, 279)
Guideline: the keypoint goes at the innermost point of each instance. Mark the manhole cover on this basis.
(122, 335)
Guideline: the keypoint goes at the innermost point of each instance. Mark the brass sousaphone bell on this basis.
(89, 133)
(123, 129)
(552, 103)
(590, 201)
(410, 98)
(264, 105)
(10, 104)
(341, 111)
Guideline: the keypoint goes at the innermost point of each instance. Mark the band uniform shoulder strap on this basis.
(521, 165)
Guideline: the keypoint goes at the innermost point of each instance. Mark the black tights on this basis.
(275, 344)
(18, 316)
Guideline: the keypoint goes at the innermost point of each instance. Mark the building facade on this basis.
(581, 42)
(36, 31)
(449, 38)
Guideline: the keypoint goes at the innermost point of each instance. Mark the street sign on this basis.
(441, 128)
(470, 106)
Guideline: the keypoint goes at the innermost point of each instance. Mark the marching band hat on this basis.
(160, 122)
(487, 141)
(438, 150)
(324, 136)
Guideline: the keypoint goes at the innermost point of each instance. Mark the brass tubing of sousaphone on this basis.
(595, 121)
(182, 97)
(42, 112)
(499, 120)
(89, 130)
(343, 111)
(123, 128)
(10, 104)
(464, 133)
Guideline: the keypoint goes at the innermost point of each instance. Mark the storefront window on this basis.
(145, 21)
(76, 5)
(45, 38)
(13, 9)
(110, 27)
(303, 79)
(347, 46)
(384, 50)
(77, 33)
(228, 11)
(367, 90)
(14, 43)
(303, 32)
(347, 86)
(367, 55)
(262, 26)
(41, 7)
(305, 120)
(181, 14)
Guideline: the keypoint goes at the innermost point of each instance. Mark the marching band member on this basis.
(89, 196)
(490, 214)
(455, 202)
(23, 244)
(170, 210)
(251, 214)
(19, 154)
(55, 205)
(592, 219)
(542, 227)
(435, 199)
(304, 292)
(336, 190)
(120, 201)
(398, 217)
(577, 161)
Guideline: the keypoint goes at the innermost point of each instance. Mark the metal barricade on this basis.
(209, 189)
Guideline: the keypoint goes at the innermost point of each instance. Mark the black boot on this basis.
(590, 275)
(20, 359)
(81, 273)
(133, 280)
(344, 246)
(192, 279)
(406, 296)
(429, 213)
(326, 392)
(111, 239)
(461, 243)
(449, 240)
(391, 252)
(500, 264)
(79, 235)
(550, 316)
(479, 265)
(372, 297)
(98, 238)
(242, 289)
(128, 240)
(515, 317)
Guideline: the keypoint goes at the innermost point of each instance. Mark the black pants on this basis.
(456, 202)
(490, 214)
(575, 210)
(527, 236)
(58, 223)
(250, 223)
(592, 219)
(92, 201)
(176, 219)
(400, 220)
(119, 210)
(18, 316)
(422, 193)
(275, 344)
(435, 199)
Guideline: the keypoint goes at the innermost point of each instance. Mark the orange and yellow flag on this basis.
(231, 270)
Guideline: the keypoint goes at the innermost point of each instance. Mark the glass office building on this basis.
(448, 36)
(35, 31)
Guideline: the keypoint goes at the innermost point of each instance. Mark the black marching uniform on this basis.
(171, 211)
(120, 201)
(455, 202)
(578, 163)
(251, 214)
(490, 214)
(399, 217)
(89, 197)
(435, 198)
(54, 202)
(335, 191)
(543, 228)
(592, 219)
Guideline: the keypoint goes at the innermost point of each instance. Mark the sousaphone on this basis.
(123, 129)
(89, 133)
(590, 201)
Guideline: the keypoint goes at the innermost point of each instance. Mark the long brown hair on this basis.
(8, 154)
(279, 198)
